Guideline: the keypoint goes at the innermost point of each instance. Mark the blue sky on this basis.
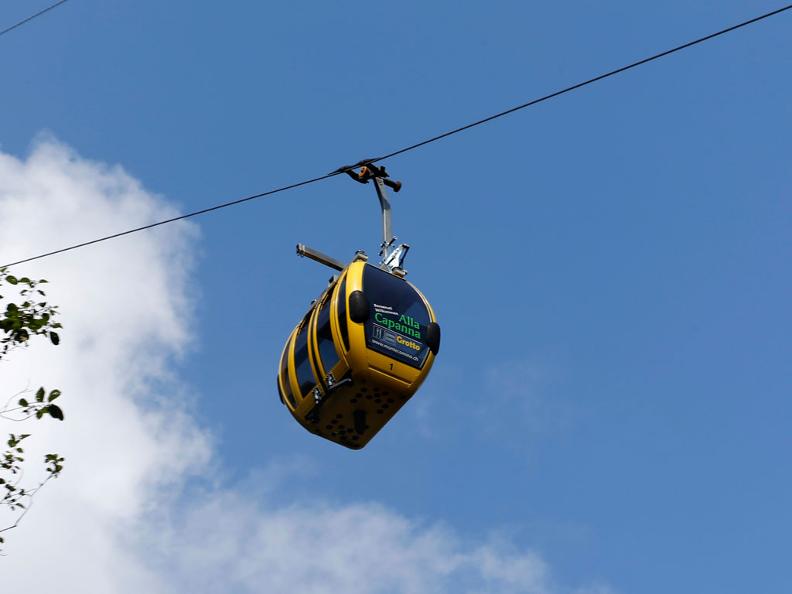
(610, 269)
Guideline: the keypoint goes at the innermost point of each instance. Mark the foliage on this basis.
(29, 317)
(20, 322)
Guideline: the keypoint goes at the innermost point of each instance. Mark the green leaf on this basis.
(23, 402)
(54, 338)
(55, 411)
(40, 394)
(12, 280)
(53, 395)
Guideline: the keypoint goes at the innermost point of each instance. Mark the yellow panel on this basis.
(341, 367)
(281, 382)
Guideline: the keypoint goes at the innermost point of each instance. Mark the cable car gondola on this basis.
(365, 345)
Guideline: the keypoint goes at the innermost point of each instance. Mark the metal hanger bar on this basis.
(317, 256)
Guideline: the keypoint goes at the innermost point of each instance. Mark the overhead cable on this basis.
(31, 17)
(425, 142)
(579, 85)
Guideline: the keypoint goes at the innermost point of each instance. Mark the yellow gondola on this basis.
(365, 345)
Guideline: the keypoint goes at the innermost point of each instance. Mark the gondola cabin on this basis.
(362, 350)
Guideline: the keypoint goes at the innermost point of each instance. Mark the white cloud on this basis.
(117, 521)
(525, 388)
(127, 437)
(229, 539)
(514, 401)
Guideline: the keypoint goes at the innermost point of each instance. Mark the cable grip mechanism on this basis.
(392, 256)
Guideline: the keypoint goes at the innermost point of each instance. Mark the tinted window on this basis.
(342, 320)
(302, 365)
(397, 318)
(324, 335)
(285, 377)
